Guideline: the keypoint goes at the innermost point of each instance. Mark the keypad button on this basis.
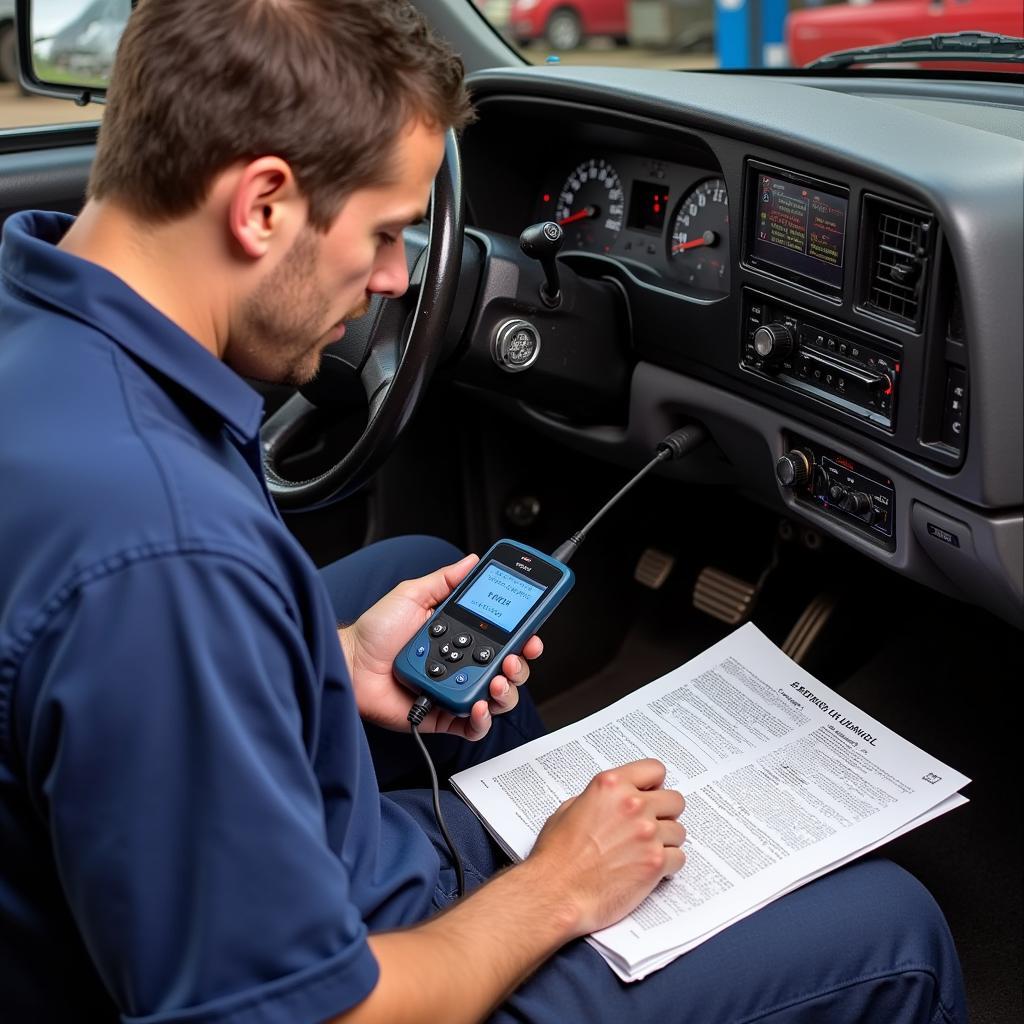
(483, 655)
(421, 649)
(436, 670)
(444, 650)
(461, 678)
(453, 655)
(462, 639)
(439, 628)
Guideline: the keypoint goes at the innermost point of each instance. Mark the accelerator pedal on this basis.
(808, 627)
(653, 568)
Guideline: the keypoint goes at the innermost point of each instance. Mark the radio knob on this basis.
(773, 341)
(856, 502)
(793, 469)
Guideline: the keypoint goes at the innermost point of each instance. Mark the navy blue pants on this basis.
(865, 943)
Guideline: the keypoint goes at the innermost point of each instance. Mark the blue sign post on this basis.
(749, 33)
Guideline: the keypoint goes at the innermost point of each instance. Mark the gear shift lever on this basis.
(542, 242)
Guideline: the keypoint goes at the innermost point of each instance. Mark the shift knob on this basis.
(542, 242)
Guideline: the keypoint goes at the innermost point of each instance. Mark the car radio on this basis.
(853, 371)
(841, 486)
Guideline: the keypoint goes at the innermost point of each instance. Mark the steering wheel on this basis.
(393, 350)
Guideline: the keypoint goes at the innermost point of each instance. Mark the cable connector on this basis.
(419, 710)
(682, 441)
(679, 443)
(568, 548)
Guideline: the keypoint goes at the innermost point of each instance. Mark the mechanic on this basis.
(191, 825)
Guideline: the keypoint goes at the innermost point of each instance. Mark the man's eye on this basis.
(386, 239)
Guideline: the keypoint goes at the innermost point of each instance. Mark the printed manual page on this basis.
(784, 781)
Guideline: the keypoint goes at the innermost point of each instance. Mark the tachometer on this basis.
(590, 207)
(699, 245)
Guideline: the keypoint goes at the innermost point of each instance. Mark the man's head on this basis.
(310, 129)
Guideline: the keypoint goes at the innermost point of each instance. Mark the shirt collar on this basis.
(31, 261)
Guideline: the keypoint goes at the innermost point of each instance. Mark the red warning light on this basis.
(547, 197)
(657, 207)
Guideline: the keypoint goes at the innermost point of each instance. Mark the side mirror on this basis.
(66, 47)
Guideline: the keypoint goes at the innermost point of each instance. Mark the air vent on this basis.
(899, 244)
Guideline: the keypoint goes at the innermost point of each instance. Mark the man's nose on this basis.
(390, 276)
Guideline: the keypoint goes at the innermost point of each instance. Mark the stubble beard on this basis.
(281, 333)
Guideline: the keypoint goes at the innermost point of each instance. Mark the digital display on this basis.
(647, 204)
(799, 228)
(501, 597)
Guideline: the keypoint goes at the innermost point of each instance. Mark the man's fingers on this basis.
(516, 670)
(432, 589)
(504, 696)
(671, 833)
(533, 648)
(667, 803)
(674, 860)
(646, 774)
(479, 722)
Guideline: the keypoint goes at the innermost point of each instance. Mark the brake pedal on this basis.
(723, 596)
(808, 627)
(653, 568)
(728, 598)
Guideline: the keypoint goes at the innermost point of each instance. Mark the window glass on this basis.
(18, 110)
(695, 34)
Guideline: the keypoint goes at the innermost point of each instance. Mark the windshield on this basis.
(737, 34)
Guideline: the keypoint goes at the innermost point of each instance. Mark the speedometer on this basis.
(590, 207)
(699, 246)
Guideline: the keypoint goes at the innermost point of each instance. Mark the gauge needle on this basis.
(587, 211)
(708, 238)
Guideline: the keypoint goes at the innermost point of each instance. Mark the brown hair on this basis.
(327, 85)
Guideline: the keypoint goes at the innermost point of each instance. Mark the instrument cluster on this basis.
(670, 219)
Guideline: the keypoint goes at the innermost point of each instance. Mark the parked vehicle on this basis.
(565, 24)
(813, 32)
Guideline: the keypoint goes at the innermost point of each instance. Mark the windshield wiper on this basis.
(974, 46)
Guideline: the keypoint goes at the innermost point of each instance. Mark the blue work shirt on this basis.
(190, 825)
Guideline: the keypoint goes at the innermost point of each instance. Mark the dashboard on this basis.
(830, 281)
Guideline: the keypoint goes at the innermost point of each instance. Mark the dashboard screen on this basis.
(501, 596)
(799, 228)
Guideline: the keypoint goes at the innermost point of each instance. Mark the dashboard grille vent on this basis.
(898, 260)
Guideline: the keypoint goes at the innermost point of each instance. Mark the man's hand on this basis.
(372, 642)
(614, 842)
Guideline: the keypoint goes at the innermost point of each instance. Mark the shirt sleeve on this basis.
(168, 746)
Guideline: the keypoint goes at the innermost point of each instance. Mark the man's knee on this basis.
(897, 942)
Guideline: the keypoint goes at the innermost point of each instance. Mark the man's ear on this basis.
(265, 207)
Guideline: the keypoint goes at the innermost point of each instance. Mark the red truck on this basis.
(813, 32)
